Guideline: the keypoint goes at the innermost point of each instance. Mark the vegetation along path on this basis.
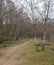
(11, 54)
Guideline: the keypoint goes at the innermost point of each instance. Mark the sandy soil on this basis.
(11, 54)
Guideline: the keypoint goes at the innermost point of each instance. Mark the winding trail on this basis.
(11, 54)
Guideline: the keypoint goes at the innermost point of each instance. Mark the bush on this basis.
(5, 45)
(53, 49)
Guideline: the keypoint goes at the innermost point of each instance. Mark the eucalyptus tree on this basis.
(1, 18)
(10, 18)
(29, 7)
(45, 14)
(7, 19)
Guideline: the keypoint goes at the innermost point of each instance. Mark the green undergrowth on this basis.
(1, 54)
(34, 57)
(11, 43)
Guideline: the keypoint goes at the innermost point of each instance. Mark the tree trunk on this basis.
(44, 41)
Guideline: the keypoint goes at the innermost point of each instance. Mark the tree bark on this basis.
(44, 41)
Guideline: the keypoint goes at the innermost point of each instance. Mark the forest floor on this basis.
(11, 55)
(26, 54)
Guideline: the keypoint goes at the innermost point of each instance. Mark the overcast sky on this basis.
(40, 5)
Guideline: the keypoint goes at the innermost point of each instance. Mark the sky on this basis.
(22, 1)
(40, 6)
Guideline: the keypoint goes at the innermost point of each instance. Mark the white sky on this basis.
(40, 5)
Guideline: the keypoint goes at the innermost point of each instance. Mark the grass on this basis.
(31, 56)
(34, 57)
(1, 54)
(11, 43)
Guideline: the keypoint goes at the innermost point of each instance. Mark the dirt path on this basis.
(11, 55)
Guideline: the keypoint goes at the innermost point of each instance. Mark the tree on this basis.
(31, 6)
(1, 18)
(45, 14)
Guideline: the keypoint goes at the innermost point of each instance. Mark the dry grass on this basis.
(28, 55)
(33, 57)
